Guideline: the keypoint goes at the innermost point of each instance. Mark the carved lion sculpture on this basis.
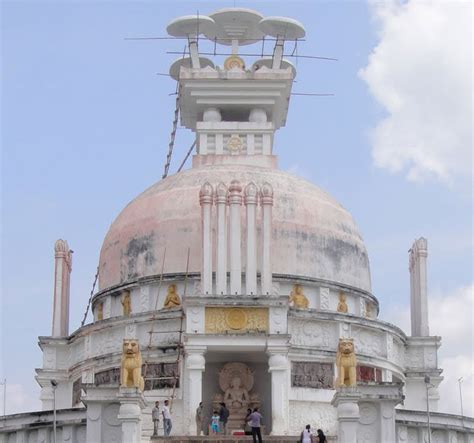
(131, 370)
(346, 363)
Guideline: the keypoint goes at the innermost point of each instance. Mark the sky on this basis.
(85, 124)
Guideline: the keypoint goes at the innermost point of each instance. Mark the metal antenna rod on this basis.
(187, 156)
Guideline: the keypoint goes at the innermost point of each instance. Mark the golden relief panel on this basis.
(236, 320)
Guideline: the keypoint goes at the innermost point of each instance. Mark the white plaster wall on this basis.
(318, 415)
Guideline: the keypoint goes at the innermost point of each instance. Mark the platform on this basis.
(229, 439)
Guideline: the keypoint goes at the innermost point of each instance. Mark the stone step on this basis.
(229, 439)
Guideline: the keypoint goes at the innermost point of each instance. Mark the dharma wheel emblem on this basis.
(234, 145)
(236, 319)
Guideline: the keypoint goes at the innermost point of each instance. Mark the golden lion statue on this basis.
(131, 370)
(346, 363)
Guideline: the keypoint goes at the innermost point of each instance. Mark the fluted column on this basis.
(221, 259)
(62, 276)
(235, 203)
(205, 200)
(266, 201)
(250, 200)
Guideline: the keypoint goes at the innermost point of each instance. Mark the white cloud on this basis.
(451, 317)
(420, 72)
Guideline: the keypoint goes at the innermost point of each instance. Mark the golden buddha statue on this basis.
(342, 305)
(172, 298)
(127, 303)
(298, 299)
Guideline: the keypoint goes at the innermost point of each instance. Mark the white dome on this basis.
(313, 235)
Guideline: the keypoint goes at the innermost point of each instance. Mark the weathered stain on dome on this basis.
(313, 236)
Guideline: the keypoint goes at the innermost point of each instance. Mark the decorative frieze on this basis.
(368, 342)
(324, 299)
(236, 320)
(312, 375)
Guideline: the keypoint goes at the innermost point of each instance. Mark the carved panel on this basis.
(368, 342)
(414, 358)
(160, 375)
(76, 391)
(49, 358)
(324, 298)
(312, 375)
(236, 320)
(107, 377)
(412, 435)
(144, 298)
(311, 333)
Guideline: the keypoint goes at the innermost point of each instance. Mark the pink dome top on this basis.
(313, 235)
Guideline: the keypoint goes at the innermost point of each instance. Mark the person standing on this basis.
(306, 436)
(255, 419)
(167, 424)
(321, 437)
(223, 417)
(155, 416)
(215, 423)
(199, 417)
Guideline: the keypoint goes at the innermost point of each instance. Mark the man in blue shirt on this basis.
(255, 419)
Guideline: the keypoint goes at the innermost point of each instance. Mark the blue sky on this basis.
(86, 123)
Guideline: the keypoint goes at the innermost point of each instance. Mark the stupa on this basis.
(237, 281)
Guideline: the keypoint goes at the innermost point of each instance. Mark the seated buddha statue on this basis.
(172, 298)
(298, 299)
(236, 396)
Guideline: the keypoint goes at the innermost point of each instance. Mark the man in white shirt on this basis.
(167, 425)
(155, 416)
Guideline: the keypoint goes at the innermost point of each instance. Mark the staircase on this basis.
(230, 439)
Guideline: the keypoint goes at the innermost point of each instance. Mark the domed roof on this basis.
(313, 235)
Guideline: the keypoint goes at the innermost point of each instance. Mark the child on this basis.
(215, 422)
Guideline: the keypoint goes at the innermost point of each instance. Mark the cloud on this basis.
(420, 72)
(451, 317)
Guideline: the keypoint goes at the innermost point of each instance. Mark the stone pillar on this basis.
(278, 367)
(62, 273)
(235, 203)
(250, 200)
(94, 422)
(221, 259)
(346, 402)
(205, 200)
(387, 421)
(419, 288)
(132, 402)
(194, 366)
(266, 201)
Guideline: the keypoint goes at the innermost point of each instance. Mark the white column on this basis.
(418, 288)
(250, 200)
(130, 414)
(346, 403)
(221, 259)
(235, 203)
(94, 422)
(266, 200)
(387, 421)
(205, 199)
(194, 366)
(278, 53)
(62, 272)
(278, 367)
